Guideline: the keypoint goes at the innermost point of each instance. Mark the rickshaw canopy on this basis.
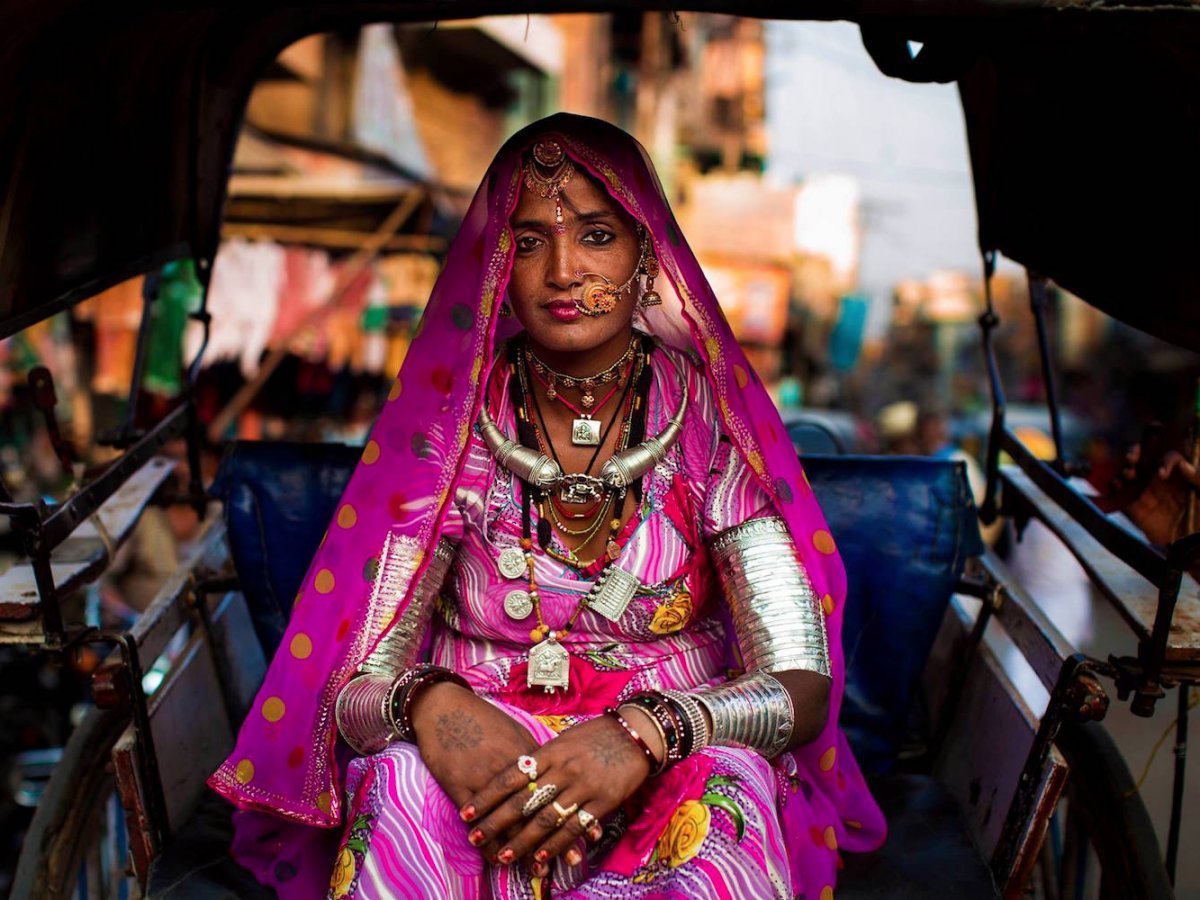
(118, 123)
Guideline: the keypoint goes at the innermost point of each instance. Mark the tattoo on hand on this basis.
(458, 732)
(609, 753)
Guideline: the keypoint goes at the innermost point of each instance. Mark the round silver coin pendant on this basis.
(518, 604)
(512, 562)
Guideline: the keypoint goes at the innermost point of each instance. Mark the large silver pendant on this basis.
(585, 432)
(512, 562)
(615, 591)
(518, 605)
(579, 488)
(549, 666)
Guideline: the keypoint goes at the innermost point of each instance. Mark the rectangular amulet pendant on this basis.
(549, 666)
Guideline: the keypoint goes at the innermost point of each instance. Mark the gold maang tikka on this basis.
(547, 172)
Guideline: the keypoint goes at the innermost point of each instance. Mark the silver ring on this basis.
(539, 798)
(527, 766)
(586, 819)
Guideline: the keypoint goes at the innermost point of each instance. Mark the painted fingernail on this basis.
(467, 813)
(573, 857)
(505, 856)
(542, 855)
(475, 837)
(595, 833)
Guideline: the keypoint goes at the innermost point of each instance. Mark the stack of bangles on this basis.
(378, 700)
(678, 720)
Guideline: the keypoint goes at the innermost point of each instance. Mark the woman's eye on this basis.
(599, 237)
(527, 243)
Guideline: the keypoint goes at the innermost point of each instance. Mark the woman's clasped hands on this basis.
(540, 805)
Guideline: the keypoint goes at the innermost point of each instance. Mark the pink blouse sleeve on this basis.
(734, 494)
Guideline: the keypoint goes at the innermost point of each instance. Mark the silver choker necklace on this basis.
(621, 470)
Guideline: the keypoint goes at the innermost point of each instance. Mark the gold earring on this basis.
(649, 268)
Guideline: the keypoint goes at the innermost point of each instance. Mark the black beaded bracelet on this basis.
(669, 724)
(405, 691)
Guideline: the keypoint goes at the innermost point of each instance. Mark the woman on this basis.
(605, 551)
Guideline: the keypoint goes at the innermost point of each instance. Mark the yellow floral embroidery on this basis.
(754, 458)
(672, 616)
(505, 241)
(554, 723)
(343, 874)
(713, 348)
(684, 834)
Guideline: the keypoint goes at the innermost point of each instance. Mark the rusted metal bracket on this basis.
(1077, 694)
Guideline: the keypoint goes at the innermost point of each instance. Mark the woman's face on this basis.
(549, 269)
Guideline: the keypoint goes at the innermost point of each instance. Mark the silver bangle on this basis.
(363, 713)
(397, 651)
(776, 615)
(694, 713)
(753, 711)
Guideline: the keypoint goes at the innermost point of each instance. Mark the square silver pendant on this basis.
(585, 432)
(549, 666)
(614, 595)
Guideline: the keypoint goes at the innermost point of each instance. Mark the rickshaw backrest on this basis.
(904, 527)
(279, 498)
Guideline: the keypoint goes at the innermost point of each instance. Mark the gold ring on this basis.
(563, 813)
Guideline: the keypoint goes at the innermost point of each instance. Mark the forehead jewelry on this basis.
(547, 172)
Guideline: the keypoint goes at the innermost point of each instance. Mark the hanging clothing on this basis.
(243, 297)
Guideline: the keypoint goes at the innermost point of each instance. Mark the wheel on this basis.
(75, 845)
(1103, 813)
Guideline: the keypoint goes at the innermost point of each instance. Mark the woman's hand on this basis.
(464, 740)
(594, 766)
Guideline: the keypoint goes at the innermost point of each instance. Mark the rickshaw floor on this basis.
(196, 865)
(929, 854)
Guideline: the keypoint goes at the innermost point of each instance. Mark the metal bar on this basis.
(988, 322)
(149, 295)
(1040, 642)
(1038, 297)
(1149, 563)
(52, 618)
(58, 526)
(1012, 833)
(1181, 738)
(156, 801)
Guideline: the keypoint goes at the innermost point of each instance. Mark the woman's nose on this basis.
(561, 267)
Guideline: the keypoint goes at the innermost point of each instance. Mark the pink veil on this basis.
(284, 761)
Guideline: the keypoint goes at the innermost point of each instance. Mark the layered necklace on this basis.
(597, 513)
(534, 461)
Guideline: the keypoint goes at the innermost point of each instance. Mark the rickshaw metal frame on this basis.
(1147, 676)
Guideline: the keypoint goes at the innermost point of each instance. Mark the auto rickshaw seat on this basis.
(904, 526)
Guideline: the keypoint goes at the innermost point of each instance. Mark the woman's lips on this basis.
(563, 310)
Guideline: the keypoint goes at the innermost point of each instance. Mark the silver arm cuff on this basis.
(753, 711)
(363, 708)
(398, 649)
(776, 616)
(363, 713)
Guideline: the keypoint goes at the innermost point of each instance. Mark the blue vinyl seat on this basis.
(904, 527)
